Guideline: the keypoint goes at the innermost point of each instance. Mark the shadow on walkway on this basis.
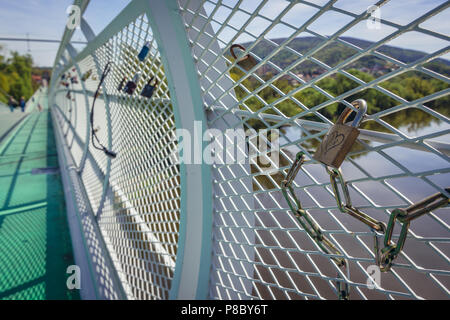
(35, 244)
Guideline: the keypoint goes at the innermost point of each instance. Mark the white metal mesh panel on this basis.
(138, 212)
(260, 249)
(313, 59)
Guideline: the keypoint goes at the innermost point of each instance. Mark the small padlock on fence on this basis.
(246, 62)
(148, 89)
(340, 138)
(86, 75)
(144, 51)
(132, 84)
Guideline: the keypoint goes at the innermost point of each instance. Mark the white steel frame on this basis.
(228, 243)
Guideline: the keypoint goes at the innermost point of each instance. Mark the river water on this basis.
(390, 174)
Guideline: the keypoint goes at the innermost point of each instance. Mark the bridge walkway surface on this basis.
(35, 246)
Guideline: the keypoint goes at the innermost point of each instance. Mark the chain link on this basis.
(404, 217)
(308, 223)
(342, 287)
(335, 174)
(385, 256)
(374, 225)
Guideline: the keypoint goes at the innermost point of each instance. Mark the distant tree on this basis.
(15, 76)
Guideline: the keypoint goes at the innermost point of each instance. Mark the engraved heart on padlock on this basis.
(334, 140)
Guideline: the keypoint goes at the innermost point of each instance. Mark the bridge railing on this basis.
(150, 226)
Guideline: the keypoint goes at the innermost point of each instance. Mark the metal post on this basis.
(194, 246)
(242, 185)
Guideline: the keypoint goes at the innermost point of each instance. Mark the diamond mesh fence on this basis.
(290, 68)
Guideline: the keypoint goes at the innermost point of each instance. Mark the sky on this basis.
(47, 19)
(398, 11)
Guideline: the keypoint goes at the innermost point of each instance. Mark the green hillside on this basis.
(408, 85)
(336, 52)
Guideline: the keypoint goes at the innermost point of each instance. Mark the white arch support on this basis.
(194, 247)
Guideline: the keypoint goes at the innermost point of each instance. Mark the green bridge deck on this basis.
(35, 246)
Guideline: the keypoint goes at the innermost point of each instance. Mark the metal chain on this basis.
(385, 256)
(308, 223)
(374, 225)
(343, 289)
(335, 174)
(404, 217)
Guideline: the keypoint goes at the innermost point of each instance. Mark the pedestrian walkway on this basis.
(35, 245)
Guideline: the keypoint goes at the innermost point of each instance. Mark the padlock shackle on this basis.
(362, 109)
(240, 47)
